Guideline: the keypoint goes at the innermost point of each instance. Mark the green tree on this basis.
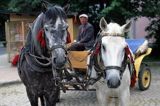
(113, 10)
(24, 6)
(121, 10)
(30, 6)
(3, 18)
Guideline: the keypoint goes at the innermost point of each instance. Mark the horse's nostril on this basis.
(109, 83)
(113, 84)
(119, 83)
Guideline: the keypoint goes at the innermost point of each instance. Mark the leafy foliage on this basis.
(113, 10)
(25, 6)
(121, 10)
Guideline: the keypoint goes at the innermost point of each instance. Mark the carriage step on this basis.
(75, 85)
(72, 83)
(73, 89)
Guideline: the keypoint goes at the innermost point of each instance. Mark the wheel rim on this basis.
(146, 78)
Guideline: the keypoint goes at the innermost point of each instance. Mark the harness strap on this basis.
(58, 46)
(42, 58)
(35, 66)
(121, 69)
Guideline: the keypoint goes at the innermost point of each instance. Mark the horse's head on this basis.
(113, 53)
(49, 33)
(55, 29)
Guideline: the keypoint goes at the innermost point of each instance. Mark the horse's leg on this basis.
(52, 97)
(117, 102)
(101, 97)
(32, 98)
(125, 98)
(42, 100)
(58, 93)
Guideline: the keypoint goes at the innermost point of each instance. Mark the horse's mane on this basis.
(113, 29)
(54, 12)
(51, 14)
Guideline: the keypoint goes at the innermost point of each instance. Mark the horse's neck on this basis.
(32, 42)
(37, 25)
(126, 78)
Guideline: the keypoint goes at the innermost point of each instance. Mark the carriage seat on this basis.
(78, 59)
(134, 44)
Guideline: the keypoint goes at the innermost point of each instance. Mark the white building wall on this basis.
(138, 28)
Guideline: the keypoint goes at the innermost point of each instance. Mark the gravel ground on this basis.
(15, 95)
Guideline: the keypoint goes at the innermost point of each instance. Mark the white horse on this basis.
(114, 83)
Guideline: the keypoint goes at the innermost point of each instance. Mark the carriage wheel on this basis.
(144, 77)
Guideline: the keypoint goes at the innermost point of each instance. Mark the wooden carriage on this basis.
(78, 59)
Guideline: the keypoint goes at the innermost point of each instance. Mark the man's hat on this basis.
(83, 15)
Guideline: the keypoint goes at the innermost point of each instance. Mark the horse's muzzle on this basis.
(59, 62)
(113, 83)
(59, 58)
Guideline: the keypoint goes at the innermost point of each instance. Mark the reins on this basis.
(42, 58)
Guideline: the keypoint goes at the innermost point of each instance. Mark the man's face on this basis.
(83, 20)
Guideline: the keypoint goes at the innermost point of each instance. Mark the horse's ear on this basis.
(126, 26)
(66, 7)
(44, 7)
(103, 24)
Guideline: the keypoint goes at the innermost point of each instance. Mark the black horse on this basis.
(43, 55)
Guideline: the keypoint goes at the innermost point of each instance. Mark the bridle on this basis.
(120, 68)
(101, 68)
(43, 40)
(59, 46)
(56, 47)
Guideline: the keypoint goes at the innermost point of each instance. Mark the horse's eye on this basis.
(46, 29)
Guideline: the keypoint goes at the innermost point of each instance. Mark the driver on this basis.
(85, 38)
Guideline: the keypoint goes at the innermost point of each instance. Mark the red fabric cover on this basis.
(15, 60)
(133, 77)
(68, 37)
(40, 38)
(128, 52)
(97, 49)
